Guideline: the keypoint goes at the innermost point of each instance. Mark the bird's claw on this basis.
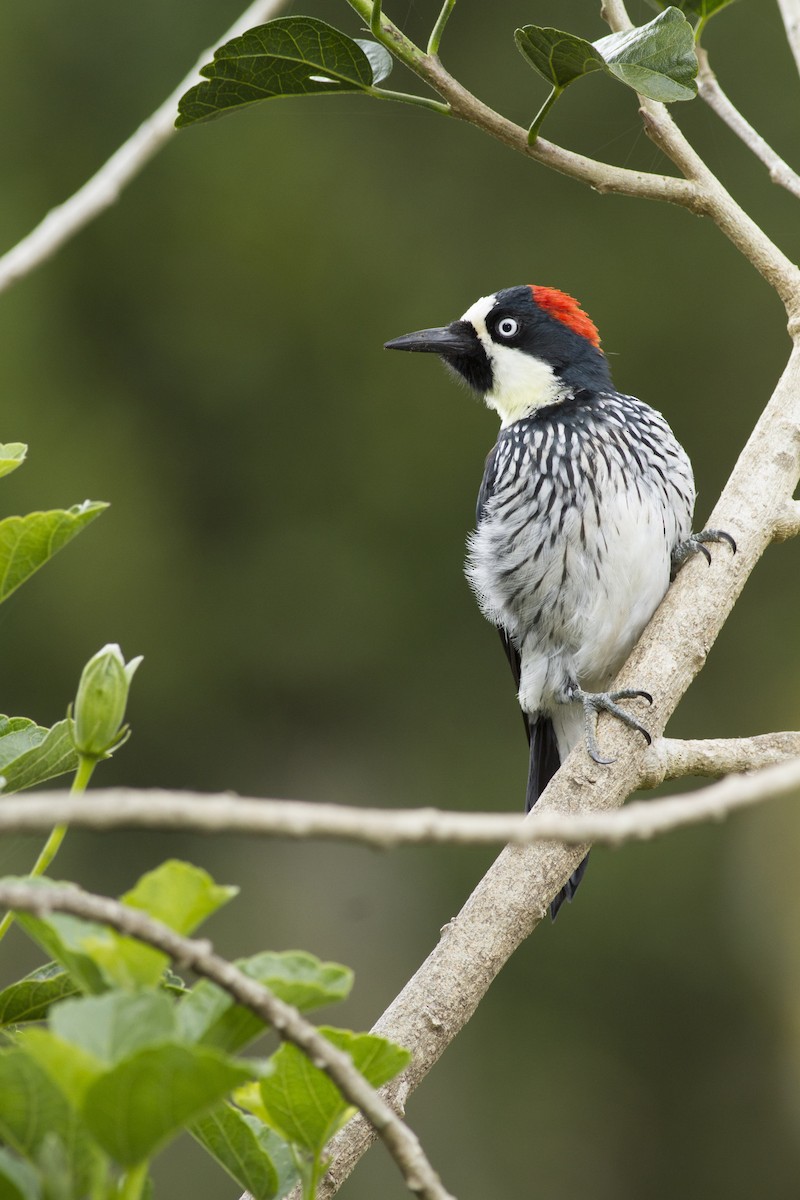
(696, 544)
(597, 702)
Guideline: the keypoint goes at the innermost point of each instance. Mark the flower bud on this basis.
(100, 702)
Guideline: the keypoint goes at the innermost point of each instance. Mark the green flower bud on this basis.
(100, 702)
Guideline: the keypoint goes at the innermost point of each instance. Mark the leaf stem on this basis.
(408, 98)
(533, 132)
(375, 18)
(312, 1179)
(133, 1182)
(53, 844)
(438, 29)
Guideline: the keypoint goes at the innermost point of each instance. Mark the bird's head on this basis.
(523, 348)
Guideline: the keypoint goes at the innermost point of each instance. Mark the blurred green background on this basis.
(285, 546)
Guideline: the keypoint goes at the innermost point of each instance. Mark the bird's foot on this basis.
(696, 544)
(597, 702)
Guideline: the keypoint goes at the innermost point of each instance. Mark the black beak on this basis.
(457, 341)
(460, 348)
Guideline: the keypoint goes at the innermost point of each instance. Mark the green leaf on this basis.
(176, 893)
(31, 1106)
(380, 60)
(30, 998)
(95, 956)
(63, 937)
(34, 1113)
(657, 59)
(18, 735)
(291, 56)
(34, 755)
(26, 543)
(142, 1102)
(280, 1152)
(704, 9)
(122, 961)
(179, 894)
(303, 1104)
(559, 57)
(244, 1147)
(12, 455)
(116, 1025)
(210, 1016)
(71, 1069)
(18, 1180)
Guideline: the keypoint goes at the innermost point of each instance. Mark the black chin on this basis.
(459, 347)
(474, 369)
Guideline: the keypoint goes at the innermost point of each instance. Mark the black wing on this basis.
(511, 651)
(543, 760)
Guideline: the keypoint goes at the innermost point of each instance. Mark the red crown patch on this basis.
(567, 310)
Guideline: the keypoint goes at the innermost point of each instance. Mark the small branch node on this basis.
(788, 523)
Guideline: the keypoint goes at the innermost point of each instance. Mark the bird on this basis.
(584, 515)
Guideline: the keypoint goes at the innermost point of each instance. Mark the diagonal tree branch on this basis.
(198, 955)
(708, 86)
(104, 188)
(790, 11)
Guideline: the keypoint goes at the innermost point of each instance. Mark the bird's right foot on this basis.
(597, 702)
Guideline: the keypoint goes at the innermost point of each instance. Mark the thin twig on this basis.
(708, 87)
(603, 177)
(120, 808)
(434, 41)
(401, 1142)
(790, 11)
(104, 188)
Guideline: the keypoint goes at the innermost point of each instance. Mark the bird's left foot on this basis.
(696, 544)
(597, 702)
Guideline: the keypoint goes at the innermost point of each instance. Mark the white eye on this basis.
(507, 327)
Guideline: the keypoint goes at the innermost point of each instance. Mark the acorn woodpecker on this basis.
(584, 515)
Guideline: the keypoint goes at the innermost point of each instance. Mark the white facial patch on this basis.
(521, 383)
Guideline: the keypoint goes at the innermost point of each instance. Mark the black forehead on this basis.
(518, 301)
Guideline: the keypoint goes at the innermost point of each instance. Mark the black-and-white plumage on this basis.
(581, 507)
(584, 510)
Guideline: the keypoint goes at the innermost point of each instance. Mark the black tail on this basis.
(544, 762)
